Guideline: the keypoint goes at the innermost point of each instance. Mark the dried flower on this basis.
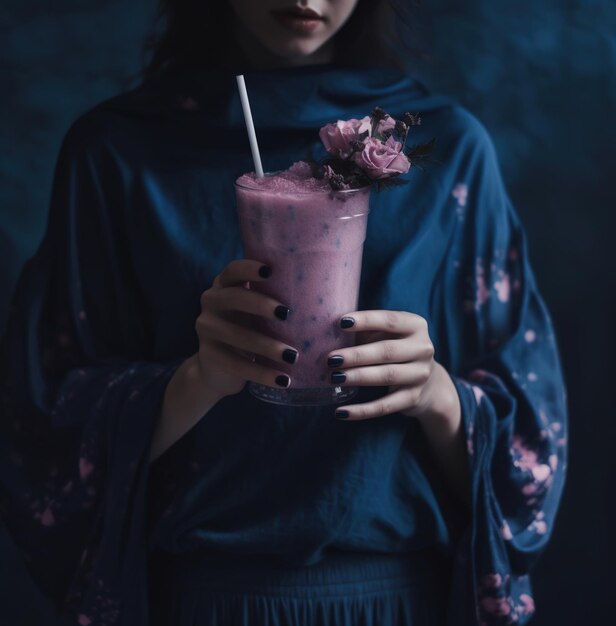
(378, 114)
(411, 120)
(337, 182)
(401, 128)
(328, 172)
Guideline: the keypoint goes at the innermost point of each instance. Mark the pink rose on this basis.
(389, 123)
(337, 138)
(382, 160)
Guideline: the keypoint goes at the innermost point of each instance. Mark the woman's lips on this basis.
(297, 22)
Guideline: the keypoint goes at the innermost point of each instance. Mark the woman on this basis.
(140, 480)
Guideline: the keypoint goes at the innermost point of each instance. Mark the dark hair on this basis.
(191, 33)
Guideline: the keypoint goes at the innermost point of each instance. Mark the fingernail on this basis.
(335, 361)
(283, 381)
(290, 356)
(347, 322)
(282, 312)
(265, 271)
(338, 377)
(341, 414)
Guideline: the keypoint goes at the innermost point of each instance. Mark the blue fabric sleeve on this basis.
(80, 397)
(513, 400)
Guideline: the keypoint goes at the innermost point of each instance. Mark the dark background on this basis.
(541, 75)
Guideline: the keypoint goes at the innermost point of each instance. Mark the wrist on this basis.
(442, 401)
(188, 396)
(199, 383)
(443, 426)
(186, 400)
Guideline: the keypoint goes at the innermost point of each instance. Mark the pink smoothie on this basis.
(312, 238)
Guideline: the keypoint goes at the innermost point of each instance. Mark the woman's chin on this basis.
(297, 53)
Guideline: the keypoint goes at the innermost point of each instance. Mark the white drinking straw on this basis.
(252, 136)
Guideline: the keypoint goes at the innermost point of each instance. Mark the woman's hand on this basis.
(225, 360)
(227, 344)
(394, 349)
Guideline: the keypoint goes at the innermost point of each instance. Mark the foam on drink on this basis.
(296, 179)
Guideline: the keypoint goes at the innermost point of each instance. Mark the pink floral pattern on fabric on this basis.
(515, 426)
(460, 193)
(537, 476)
(498, 605)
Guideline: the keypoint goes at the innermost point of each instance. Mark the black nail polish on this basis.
(338, 377)
(289, 356)
(283, 381)
(341, 414)
(282, 312)
(347, 322)
(265, 271)
(335, 361)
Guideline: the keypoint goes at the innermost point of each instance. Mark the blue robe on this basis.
(142, 219)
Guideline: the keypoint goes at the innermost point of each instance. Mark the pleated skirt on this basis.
(344, 589)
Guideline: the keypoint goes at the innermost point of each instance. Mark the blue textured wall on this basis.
(57, 59)
(540, 74)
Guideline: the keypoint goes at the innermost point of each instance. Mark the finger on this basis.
(242, 271)
(213, 328)
(396, 322)
(232, 363)
(244, 300)
(383, 375)
(399, 400)
(386, 351)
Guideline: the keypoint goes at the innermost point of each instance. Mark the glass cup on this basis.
(313, 241)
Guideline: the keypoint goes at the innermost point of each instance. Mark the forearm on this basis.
(444, 430)
(185, 402)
